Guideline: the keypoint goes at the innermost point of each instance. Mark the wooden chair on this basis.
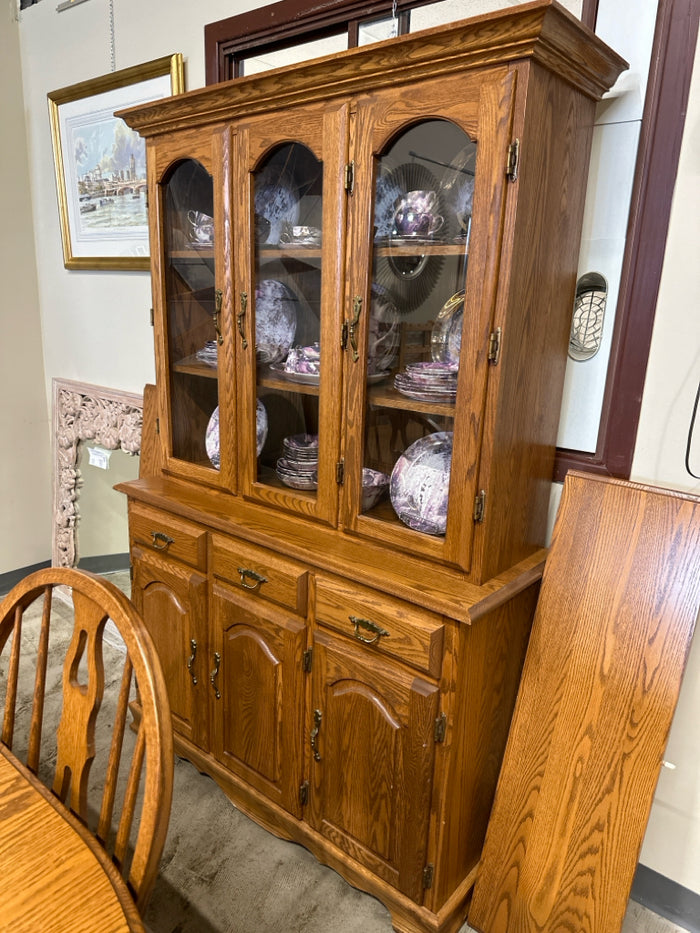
(126, 802)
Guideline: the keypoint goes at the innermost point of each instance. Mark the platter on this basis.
(276, 202)
(446, 335)
(420, 482)
(275, 320)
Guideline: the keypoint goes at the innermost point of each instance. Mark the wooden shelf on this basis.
(194, 367)
(385, 396)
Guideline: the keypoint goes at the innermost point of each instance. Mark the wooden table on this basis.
(54, 876)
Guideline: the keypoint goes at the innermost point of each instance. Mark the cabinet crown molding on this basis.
(542, 31)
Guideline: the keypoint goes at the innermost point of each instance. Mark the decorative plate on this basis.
(275, 320)
(211, 439)
(420, 483)
(383, 340)
(260, 426)
(457, 190)
(446, 336)
(276, 201)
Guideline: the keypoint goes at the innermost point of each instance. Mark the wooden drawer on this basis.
(260, 572)
(412, 635)
(168, 535)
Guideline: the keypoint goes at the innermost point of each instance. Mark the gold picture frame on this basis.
(100, 164)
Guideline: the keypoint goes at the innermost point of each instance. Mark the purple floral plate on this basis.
(275, 320)
(211, 438)
(420, 483)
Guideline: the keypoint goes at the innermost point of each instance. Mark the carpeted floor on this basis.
(221, 873)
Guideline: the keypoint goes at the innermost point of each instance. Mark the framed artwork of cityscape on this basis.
(100, 164)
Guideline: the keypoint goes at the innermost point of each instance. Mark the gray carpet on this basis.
(221, 873)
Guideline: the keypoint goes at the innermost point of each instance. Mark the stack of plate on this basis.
(299, 466)
(431, 381)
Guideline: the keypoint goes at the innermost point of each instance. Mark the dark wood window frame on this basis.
(288, 22)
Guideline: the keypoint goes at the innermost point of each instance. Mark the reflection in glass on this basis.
(424, 188)
(288, 250)
(192, 308)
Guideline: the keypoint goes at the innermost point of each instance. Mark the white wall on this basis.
(95, 325)
(25, 470)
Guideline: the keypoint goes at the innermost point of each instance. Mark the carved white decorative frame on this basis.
(110, 418)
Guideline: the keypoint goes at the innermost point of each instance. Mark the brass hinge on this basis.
(428, 872)
(440, 728)
(340, 472)
(494, 353)
(479, 507)
(513, 160)
(349, 180)
(308, 658)
(304, 793)
(152, 317)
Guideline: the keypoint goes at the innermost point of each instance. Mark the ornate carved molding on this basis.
(108, 417)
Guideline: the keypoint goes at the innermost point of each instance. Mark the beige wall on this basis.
(95, 325)
(25, 475)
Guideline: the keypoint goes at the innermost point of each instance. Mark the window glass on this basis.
(293, 54)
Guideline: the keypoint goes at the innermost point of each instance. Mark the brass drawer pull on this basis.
(314, 734)
(161, 541)
(257, 579)
(190, 662)
(379, 632)
(214, 674)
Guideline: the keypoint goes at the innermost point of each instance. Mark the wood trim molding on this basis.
(663, 122)
(110, 418)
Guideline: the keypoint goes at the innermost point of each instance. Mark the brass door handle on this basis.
(218, 298)
(352, 328)
(314, 734)
(214, 674)
(370, 626)
(161, 541)
(240, 316)
(190, 662)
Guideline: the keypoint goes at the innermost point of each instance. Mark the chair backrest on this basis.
(54, 717)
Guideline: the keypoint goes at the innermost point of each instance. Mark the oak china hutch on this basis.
(363, 277)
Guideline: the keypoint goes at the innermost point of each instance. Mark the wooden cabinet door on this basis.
(371, 734)
(172, 600)
(189, 217)
(257, 695)
(290, 200)
(430, 153)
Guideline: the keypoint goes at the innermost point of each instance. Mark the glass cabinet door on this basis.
(192, 316)
(429, 195)
(288, 312)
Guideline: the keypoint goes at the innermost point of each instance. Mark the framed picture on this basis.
(101, 164)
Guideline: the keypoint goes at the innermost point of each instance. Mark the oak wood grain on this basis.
(617, 609)
(52, 875)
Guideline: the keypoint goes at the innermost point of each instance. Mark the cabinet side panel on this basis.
(489, 656)
(534, 309)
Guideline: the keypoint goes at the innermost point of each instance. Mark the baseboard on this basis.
(13, 577)
(105, 563)
(667, 898)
